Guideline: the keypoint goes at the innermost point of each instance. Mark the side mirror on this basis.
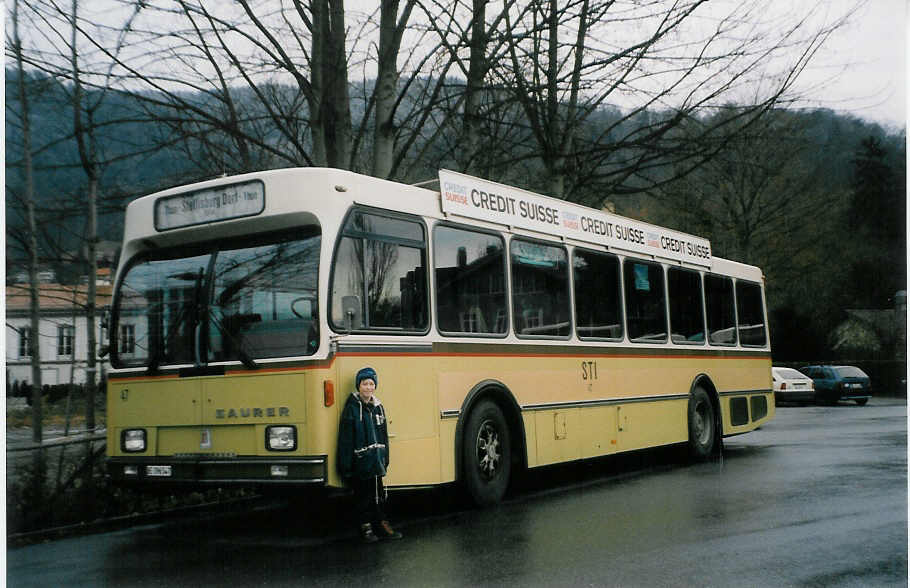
(350, 306)
(106, 317)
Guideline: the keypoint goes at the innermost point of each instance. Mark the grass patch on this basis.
(55, 490)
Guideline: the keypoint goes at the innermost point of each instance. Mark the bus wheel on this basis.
(702, 425)
(486, 454)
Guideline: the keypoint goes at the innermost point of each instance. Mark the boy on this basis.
(363, 456)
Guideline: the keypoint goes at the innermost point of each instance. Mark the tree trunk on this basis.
(386, 90)
(90, 305)
(318, 9)
(556, 177)
(477, 71)
(338, 132)
(85, 140)
(84, 132)
(329, 105)
(34, 346)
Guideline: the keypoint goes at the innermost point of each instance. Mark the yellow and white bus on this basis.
(509, 330)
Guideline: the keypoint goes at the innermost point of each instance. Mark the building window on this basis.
(25, 335)
(127, 339)
(64, 340)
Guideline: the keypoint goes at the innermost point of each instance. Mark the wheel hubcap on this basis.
(700, 423)
(488, 450)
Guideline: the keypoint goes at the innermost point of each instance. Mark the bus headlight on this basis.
(281, 438)
(132, 440)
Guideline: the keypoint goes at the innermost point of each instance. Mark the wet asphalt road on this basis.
(816, 498)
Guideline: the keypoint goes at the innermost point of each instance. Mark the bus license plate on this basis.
(158, 470)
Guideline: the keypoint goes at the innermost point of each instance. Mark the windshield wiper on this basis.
(236, 343)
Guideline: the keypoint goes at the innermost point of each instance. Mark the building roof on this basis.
(55, 297)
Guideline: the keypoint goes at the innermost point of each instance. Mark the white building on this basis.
(62, 332)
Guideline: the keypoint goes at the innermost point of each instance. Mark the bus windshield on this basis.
(236, 301)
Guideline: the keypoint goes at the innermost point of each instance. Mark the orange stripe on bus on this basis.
(330, 363)
(555, 355)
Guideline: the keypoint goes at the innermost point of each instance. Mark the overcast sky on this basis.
(862, 70)
(868, 60)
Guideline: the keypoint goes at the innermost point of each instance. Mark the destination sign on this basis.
(210, 205)
(472, 197)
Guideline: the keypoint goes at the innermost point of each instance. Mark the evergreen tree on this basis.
(877, 219)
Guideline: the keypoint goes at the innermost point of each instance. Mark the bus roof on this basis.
(284, 198)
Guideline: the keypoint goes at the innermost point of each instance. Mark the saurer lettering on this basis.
(235, 413)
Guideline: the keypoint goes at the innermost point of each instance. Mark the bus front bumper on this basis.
(206, 470)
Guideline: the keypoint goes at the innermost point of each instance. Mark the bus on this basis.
(509, 330)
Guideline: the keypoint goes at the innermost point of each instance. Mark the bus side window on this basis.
(380, 262)
(646, 314)
(540, 289)
(598, 302)
(751, 314)
(721, 310)
(687, 323)
(470, 281)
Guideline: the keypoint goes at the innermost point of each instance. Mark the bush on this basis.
(31, 506)
(53, 393)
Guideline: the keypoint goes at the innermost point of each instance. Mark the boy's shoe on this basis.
(367, 535)
(385, 531)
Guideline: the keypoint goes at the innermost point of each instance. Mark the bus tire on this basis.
(487, 454)
(702, 425)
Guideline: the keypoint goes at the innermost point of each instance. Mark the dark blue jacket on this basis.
(363, 439)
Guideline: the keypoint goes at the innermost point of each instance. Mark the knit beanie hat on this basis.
(366, 373)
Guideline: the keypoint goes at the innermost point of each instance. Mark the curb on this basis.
(124, 522)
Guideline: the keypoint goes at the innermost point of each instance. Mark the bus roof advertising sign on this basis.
(475, 198)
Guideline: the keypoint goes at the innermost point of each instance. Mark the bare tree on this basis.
(252, 85)
(327, 92)
(15, 44)
(270, 82)
(88, 157)
(656, 64)
(391, 29)
(752, 198)
(591, 90)
(477, 121)
(63, 58)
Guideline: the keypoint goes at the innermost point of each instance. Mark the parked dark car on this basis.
(834, 383)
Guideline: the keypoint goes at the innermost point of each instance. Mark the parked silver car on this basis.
(792, 386)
